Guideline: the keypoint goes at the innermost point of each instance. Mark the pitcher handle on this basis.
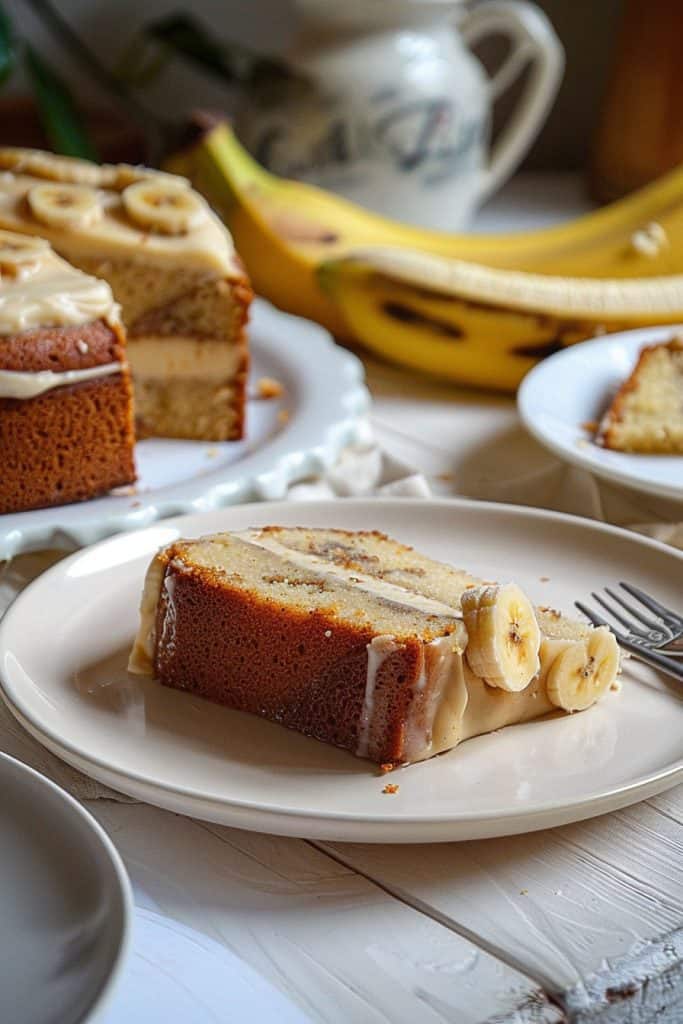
(532, 41)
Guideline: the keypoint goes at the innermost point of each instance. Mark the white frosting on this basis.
(379, 649)
(182, 358)
(49, 292)
(370, 584)
(20, 385)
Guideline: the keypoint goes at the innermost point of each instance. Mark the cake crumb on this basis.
(268, 387)
(616, 686)
(135, 504)
(544, 579)
(590, 426)
(391, 788)
(523, 892)
(283, 416)
(211, 453)
(388, 766)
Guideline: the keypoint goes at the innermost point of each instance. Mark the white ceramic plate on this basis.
(573, 388)
(170, 748)
(323, 402)
(66, 904)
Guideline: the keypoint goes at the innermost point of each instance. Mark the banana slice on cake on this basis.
(16, 250)
(64, 205)
(583, 671)
(163, 205)
(503, 635)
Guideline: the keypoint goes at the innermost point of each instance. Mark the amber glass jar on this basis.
(640, 134)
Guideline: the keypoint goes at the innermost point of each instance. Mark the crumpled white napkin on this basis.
(366, 470)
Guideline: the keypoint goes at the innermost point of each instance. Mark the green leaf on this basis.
(59, 115)
(7, 51)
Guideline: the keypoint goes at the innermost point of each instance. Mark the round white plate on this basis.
(297, 435)
(170, 748)
(573, 388)
(66, 904)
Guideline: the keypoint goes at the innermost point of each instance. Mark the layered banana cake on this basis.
(66, 415)
(360, 641)
(646, 414)
(172, 267)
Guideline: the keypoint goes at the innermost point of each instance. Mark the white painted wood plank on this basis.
(582, 909)
(337, 945)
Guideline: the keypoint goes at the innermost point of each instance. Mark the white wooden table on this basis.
(579, 924)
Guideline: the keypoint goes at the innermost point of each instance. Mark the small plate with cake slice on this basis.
(291, 668)
(614, 406)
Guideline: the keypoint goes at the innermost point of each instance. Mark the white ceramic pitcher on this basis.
(395, 111)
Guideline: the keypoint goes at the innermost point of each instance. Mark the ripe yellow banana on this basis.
(483, 326)
(285, 230)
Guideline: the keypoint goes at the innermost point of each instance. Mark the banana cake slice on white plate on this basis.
(646, 414)
(359, 641)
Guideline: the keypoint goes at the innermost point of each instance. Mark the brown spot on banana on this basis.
(408, 315)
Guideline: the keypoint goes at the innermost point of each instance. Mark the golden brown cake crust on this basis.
(74, 442)
(319, 691)
(61, 348)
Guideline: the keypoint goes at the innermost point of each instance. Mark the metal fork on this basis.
(656, 638)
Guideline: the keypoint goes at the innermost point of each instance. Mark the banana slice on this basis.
(503, 635)
(583, 671)
(20, 255)
(16, 249)
(166, 206)
(64, 205)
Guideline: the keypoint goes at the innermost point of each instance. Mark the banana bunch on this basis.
(478, 309)
(505, 648)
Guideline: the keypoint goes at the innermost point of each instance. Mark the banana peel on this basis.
(284, 230)
(480, 326)
(303, 248)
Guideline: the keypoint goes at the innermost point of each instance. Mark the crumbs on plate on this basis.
(391, 788)
(267, 387)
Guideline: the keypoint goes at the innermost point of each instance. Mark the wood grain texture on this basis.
(338, 945)
(585, 910)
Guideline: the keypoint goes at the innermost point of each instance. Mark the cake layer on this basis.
(350, 638)
(646, 415)
(66, 445)
(197, 409)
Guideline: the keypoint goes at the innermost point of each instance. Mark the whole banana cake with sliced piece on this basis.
(360, 641)
(172, 267)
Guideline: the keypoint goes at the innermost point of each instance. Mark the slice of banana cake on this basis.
(646, 414)
(360, 641)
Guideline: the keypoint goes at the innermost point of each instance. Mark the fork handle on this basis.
(660, 661)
